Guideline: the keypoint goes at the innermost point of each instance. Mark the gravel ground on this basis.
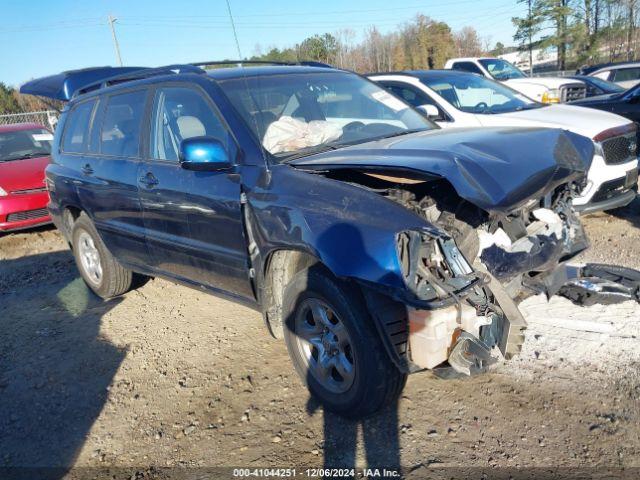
(166, 376)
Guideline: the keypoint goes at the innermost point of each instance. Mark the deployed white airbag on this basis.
(289, 134)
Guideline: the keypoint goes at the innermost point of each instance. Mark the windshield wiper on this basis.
(397, 134)
(27, 155)
(336, 145)
(531, 107)
(311, 151)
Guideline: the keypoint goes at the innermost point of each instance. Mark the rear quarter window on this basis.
(77, 128)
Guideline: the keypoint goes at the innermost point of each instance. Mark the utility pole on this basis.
(530, 20)
(112, 20)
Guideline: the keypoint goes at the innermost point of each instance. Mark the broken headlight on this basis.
(433, 268)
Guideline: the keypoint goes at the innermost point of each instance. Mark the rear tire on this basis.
(99, 269)
(338, 354)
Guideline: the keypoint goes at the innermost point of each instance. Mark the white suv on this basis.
(542, 89)
(457, 99)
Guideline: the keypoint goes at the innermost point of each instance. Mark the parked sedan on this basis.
(625, 74)
(459, 99)
(24, 153)
(598, 86)
(625, 103)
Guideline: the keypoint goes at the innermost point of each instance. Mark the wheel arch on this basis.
(69, 213)
(279, 267)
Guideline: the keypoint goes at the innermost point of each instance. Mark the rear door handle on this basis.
(148, 180)
(86, 169)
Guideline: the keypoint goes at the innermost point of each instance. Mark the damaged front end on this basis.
(469, 309)
(498, 225)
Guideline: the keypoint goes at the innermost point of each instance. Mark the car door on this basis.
(193, 219)
(109, 191)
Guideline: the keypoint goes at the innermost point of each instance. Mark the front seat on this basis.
(189, 127)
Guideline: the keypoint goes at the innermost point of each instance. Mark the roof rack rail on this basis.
(137, 75)
(305, 63)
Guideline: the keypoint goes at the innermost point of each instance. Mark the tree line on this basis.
(422, 43)
(12, 101)
(581, 31)
(584, 32)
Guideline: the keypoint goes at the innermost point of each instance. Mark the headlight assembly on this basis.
(432, 266)
(551, 96)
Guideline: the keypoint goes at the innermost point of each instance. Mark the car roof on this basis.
(16, 127)
(245, 72)
(608, 66)
(471, 59)
(419, 74)
(214, 74)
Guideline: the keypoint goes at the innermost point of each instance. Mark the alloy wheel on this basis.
(324, 344)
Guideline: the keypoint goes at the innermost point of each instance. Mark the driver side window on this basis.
(180, 113)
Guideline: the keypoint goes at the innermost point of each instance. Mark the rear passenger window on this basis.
(76, 131)
(180, 113)
(120, 135)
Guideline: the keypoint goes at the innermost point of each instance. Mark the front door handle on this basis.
(86, 169)
(148, 180)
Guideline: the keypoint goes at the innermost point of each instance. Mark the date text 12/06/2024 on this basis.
(317, 472)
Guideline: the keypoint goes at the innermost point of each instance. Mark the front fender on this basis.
(350, 229)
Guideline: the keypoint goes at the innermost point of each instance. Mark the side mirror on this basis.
(431, 111)
(204, 154)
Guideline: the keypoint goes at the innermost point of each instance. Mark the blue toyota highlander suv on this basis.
(375, 243)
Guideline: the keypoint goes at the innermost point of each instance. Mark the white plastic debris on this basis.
(289, 134)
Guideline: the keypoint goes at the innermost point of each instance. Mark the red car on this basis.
(24, 154)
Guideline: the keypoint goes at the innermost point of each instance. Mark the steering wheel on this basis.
(353, 126)
(481, 105)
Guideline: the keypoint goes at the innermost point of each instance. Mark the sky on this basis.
(43, 37)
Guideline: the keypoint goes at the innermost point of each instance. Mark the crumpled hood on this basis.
(498, 169)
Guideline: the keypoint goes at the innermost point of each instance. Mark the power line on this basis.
(496, 15)
(333, 12)
(54, 26)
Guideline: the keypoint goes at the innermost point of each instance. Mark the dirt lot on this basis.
(169, 376)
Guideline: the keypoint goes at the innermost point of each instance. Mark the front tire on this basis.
(335, 347)
(99, 269)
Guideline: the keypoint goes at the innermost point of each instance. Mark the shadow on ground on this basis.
(379, 433)
(54, 367)
(630, 213)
